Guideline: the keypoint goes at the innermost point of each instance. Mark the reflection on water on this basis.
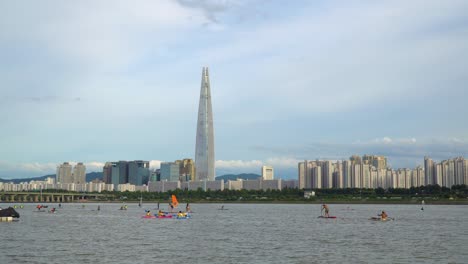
(245, 233)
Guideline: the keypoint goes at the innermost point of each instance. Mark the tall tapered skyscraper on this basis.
(204, 149)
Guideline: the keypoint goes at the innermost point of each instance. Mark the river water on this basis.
(245, 233)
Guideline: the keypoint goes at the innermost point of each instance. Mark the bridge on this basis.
(52, 197)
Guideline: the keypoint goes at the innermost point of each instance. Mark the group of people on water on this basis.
(383, 215)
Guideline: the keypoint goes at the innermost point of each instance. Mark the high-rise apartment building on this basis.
(360, 173)
(64, 173)
(379, 162)
(204, 148)
(429, 171)
(327, 174)
(79, 173)
(267, 173)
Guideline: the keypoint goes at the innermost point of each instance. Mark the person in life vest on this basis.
(160, 213)
(52, 210)
(180, 214)
(383, 215)
(39, 207)
(148, 212)
(327, 210)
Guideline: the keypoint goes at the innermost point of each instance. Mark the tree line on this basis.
(287, 194)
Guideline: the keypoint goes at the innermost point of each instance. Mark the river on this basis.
(245, 233)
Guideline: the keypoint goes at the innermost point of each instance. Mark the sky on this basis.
(96, 81)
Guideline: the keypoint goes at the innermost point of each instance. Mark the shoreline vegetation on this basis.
(432, 194)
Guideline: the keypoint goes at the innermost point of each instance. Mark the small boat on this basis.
(184, 217)
(332, 217)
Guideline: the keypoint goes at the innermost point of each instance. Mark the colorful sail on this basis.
(175, 203)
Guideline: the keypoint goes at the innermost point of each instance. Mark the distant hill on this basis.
(244, 176)
(98, 175)
(89, 177)
(41, 178)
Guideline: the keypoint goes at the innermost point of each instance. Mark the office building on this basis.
(170, 171)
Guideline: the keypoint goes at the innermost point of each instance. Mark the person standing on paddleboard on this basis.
(327, 210)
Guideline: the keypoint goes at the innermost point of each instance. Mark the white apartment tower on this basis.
(64, 173)
(267, 173)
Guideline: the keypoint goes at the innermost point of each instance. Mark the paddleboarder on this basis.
(327, 210)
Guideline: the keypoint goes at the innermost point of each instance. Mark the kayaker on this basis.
(53, 210)
(327, 210)
(383, 215)
(180, 214)
(148, 212)
(187, 208)
(160, 213)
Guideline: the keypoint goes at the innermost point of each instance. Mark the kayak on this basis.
(148, 216)
(163, 216)
(332, 217)
(184, 217)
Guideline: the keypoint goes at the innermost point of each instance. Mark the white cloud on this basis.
(388, 141)
(238, 164)
(155, 164)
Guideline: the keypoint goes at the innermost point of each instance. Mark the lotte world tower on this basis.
(204, 148)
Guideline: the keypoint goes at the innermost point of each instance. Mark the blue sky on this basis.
(97, 81)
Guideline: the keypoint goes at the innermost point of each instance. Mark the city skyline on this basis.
(310, 80)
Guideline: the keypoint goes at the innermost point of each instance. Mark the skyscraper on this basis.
(204, 149)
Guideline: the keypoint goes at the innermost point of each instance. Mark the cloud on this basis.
(401, 152)
(281, 162)
(238, 164)
(388, 140)
(155, 164)
(211, 8)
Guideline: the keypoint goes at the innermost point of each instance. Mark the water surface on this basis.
(245, 233)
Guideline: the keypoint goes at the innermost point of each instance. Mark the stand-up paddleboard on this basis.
(332, 217)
